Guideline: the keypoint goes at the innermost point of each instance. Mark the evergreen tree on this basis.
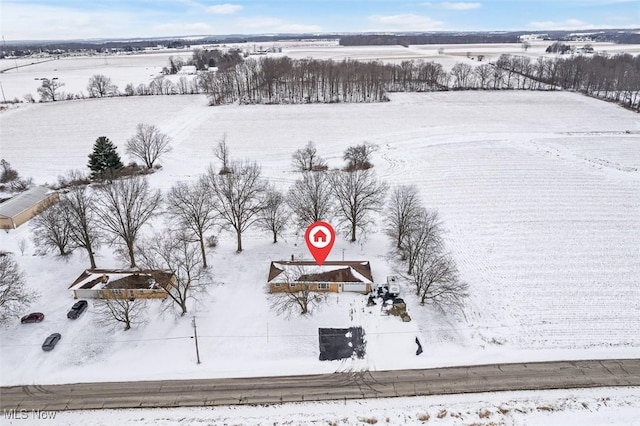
(104, 161)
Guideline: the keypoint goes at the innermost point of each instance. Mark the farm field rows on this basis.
(538, 193)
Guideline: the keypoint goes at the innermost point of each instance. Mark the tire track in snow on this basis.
(186, 121)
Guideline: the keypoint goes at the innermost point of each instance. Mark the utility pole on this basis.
(195, 335)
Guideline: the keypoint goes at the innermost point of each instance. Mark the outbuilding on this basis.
(19, 209)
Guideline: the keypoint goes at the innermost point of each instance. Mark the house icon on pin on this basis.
(320, 236)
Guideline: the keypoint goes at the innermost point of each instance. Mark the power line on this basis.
(314, 335)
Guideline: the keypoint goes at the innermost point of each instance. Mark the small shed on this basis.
(122, 284)
(19, 209)
(332, 276)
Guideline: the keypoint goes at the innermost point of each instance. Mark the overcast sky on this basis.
(73, 19)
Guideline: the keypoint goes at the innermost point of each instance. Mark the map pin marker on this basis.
(320, 237)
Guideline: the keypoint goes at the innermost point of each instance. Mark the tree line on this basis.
(606, 35)
(288, 81)
(614, 78)
(436, 38)
(293, 81)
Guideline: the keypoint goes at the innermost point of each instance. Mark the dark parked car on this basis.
(32, 317)
(77, 308)
(51, 342)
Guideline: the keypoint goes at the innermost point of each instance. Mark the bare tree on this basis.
(497, 76)
(176, 253)
(22, 245)
(49, 88)
(114, 310)
(10, 176)
(239, 194)
(14, 295)
(402, 211)
(358, 194)
(307, 159)
(295, 296)
(436, 279)
(423, 235)
(72, 179)
(275, 215)
(20, 184)
(123, 207)
(100, 85)
(462, 76)
(8, 173)
(358, 157)
(148, 144)
(161, 86)
(79, 204)
(483, 74)
(51, 230)
(310, 198)
(222, 153)
(193, 208)
(175, 65)
(183, 86)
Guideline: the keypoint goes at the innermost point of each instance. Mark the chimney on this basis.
(292, 258)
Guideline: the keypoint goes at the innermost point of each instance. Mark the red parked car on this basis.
(32, 317)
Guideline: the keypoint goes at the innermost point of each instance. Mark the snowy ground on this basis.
(587, 407)
(538, 193)
(75, 72)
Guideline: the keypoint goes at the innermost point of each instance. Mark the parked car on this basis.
(51, 342)
(77, 308)
(32, 317)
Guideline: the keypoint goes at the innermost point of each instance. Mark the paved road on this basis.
(181, 393)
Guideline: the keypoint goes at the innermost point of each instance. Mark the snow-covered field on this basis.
(586, 407)
(75, 72)
(142, 68)
(539, 193)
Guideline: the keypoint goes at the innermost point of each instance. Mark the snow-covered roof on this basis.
(187, 69)
(24, 201)
(98, 279)
(330, 271)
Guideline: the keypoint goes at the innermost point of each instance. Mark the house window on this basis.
(276, 284)
(323, 286)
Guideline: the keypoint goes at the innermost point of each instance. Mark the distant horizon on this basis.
(70, 20)
(196, 37)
